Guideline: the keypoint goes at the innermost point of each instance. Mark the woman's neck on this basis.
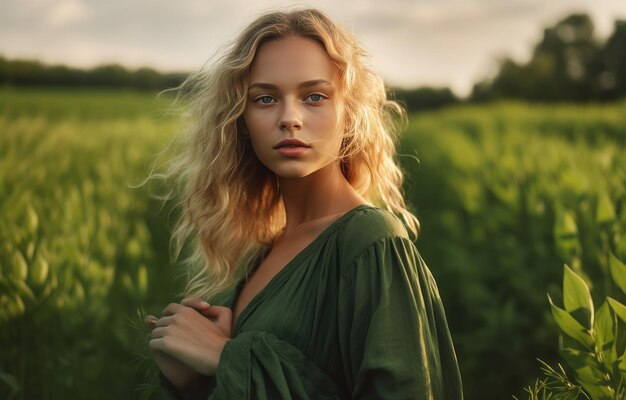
(321, 194)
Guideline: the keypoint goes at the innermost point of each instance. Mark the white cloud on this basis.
(68, 12)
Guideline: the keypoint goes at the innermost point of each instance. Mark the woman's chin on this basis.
(292, 174)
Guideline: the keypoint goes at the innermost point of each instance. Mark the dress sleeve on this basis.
(258, 365)
(393, 334)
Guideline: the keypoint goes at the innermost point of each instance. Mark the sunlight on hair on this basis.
(230, 202)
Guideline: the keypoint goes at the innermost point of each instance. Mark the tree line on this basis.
(37, 74)
(568, 64)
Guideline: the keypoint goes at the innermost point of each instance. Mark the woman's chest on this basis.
(274, 262)
(299, 305)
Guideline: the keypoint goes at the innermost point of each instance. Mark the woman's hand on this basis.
(178, 373)
(193, 333)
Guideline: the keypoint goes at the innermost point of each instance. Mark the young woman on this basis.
(302, 241)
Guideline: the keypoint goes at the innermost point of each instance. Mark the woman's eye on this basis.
(315, 98)
(264, 100)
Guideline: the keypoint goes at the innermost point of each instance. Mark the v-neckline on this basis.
(284, 270)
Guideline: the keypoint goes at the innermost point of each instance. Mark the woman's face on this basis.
(293, 107)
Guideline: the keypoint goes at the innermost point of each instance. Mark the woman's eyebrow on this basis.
(270, 86)
(315, 82)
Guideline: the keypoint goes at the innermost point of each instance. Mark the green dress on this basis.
(356, 314)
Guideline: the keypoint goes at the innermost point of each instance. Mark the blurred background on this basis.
(517, 116)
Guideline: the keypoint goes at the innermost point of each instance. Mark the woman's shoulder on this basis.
(367, 225)
(367, 221)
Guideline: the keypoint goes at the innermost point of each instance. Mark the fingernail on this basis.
(204, 303)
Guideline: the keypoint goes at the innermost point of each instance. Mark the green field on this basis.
(506, 193)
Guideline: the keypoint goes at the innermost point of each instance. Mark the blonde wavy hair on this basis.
(230, 202)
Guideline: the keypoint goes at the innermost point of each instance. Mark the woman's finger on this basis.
(207, 310)
(196, 303)
(222, 316)
(159, 332)
(163, 321)
(151, 321)
(160, 344)
(170, 320)
(173, 308)
(220, 312)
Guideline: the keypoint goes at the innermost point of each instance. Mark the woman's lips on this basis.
(292, 151)
(291, 147)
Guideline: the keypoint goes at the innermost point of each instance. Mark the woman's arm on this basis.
(253, 365)
(394, 337)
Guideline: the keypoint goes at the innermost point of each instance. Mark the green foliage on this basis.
(79, 248)
(556, 385)
(568, 64)
(503, 193)
(595, 348)
(596, 352)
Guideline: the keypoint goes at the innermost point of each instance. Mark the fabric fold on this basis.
(258, 365)
(391, 341)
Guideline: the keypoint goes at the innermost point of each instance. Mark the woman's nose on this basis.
(290, 118)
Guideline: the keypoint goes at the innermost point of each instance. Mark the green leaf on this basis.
(577, 359)
(566, 341)
(618, 272)
(39, 271)
(619, 346)
(18, 267)
(605, 213)
(566, 234)
(619, 308)
(622, 363)
(577, 297)
(597, 391)
(565, 227)
(594, 382)
(604, 335)
(570, 326)
(32, 220)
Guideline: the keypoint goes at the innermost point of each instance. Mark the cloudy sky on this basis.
(412, 42)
